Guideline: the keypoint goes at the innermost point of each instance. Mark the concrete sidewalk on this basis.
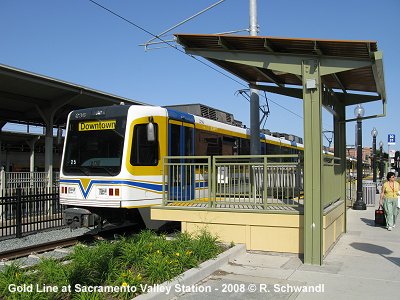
(365, 264)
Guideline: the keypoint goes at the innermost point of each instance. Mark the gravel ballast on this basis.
(40, 238)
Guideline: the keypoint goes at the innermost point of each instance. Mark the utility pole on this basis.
(255, 145)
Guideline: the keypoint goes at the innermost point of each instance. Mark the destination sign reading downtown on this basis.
(97, 125)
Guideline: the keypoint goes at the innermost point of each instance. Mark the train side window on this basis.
(188, 141)
(228, 145)
(263, 148)
(175, 142)
(208, 143)
(272, 149)
(285, 150)
(144, 152)
(244, 148)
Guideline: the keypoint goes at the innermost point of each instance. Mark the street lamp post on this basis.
(359, 204)
(374, 134)
(380, 160)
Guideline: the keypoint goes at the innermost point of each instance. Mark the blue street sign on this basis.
(391, 138)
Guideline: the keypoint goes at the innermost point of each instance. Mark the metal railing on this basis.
(30, 211)
(10, 181)
(237, 182)
(331, 180)
(351, 190)
(186, 178)
(256, 182)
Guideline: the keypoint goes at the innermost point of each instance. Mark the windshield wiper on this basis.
(103, 168)
(81, 169)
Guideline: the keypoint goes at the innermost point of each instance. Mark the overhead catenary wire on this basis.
(183, 22)
(183, 52)
(269, 99)
(164, 41)
(244, 94)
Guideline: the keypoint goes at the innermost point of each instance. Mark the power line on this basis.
(164, 41)
(184, 21)
(183, 52)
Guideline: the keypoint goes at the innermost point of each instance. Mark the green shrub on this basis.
(16, 276)
(145, 258)
(206, 246)
(91, 265)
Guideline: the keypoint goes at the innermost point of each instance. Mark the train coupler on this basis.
(79, 217)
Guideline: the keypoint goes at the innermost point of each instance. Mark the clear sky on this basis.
(77, 41)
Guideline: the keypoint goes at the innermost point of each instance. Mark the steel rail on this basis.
(40, 248)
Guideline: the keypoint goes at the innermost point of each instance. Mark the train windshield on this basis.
(94, 147)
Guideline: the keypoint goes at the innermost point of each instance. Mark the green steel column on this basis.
(340, 151)
(312, 162)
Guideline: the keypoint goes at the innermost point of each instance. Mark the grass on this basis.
(143, 259)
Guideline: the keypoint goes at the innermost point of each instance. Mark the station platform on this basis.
(364, 264)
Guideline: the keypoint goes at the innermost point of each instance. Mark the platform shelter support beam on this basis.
(339, 132)
(31, 143)
(48, 114)
(48, 155)
(48, 117)
(312, 161)
(2, 123)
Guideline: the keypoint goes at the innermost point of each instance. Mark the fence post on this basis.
(298, 180)
(50, 208)
(2, 191)
(18, 220)
(213, 175)
(264, 182)
(3, 183)
(350, 190)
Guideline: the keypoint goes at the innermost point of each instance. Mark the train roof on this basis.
(210, 116)
(244, 131)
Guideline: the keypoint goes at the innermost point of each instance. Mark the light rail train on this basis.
(111, 167)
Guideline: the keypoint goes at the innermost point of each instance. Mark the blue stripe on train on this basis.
(149, 186)
(180, 116)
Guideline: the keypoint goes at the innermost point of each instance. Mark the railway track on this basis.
(108, 234)
(39, 248)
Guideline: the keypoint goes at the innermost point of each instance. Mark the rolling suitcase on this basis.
(380, 219)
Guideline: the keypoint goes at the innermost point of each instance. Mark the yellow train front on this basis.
(111, 166)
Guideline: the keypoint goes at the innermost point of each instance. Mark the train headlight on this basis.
(102, 191)
(71, 190)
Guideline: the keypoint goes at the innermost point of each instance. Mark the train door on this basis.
(181, 172)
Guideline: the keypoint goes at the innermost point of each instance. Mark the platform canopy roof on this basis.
(25, 97)
(358, 64)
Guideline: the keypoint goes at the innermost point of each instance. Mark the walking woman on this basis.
(390, 190)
